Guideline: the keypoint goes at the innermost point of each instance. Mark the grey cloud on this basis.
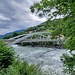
(17, 14)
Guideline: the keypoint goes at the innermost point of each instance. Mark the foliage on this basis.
(15, 34)
(62, 7)
(69, 63)
(66, 27)
(22, 68)
(70, 43)
(6, 55)
(7, 37)
(69, 27)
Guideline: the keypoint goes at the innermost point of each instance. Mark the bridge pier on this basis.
(22, 43)
(43, 37)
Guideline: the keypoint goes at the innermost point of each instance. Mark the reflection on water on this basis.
(46, 57)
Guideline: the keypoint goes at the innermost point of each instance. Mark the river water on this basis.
(47, 58)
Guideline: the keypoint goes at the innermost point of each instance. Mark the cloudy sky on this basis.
(16, 15)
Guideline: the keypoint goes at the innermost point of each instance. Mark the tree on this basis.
(15, 34)
(67, 28)
(69, 63)
(62, 7)
(6, 55)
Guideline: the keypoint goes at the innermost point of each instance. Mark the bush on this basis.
(6, 55)
(24, 69)
(21, 68)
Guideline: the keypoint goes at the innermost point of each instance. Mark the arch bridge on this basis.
(31, 37)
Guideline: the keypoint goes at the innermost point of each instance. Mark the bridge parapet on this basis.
(7, 41)
(39, 40)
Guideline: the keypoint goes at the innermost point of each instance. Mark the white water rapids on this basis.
(47, 58)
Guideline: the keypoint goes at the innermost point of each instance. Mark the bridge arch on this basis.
(25, 36)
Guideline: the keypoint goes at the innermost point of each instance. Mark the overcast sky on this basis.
(16, 15)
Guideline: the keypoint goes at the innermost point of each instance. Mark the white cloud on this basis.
(3, 31)
(4, 18)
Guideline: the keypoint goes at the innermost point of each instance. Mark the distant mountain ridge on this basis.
(27, 29)
(8, 34)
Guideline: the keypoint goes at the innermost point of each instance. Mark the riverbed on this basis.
(47, 58)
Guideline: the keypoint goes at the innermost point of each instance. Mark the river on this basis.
(47, 58)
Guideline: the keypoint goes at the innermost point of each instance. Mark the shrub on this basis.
(6, 55)
(22, 68)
